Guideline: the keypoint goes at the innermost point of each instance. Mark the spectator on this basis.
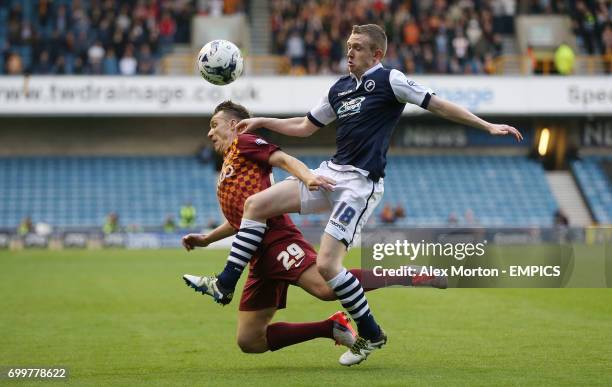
(14, 65)
(78, 67)
(14, 25)
(95, 56)
(61, 19)
(607, 47)
(564, 59)
(169, 224)
(110, 65)
(182, 15)
(128, 63)
(469, 217)
(59, 68)
(530, 61)
(43, 64)
(44, 14)
(123, 21)
(146, 62)
(111, 224)
(586, 26)
(296, 50)
(399, 211)
(387, 215)
(560, 226)
(25, 227)
(560, 219)
(489, 66)
(188, 216)
(167, 28)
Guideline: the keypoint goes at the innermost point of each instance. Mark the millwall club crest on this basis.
(369, 85)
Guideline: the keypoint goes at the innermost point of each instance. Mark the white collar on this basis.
(369, 71)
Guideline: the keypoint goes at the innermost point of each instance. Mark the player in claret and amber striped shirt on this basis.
(284, 256)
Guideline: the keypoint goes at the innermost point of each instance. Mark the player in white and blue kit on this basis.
(366, 104)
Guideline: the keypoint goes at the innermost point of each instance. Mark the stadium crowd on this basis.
(591, 21)
(93, 37)
(130, 37)
(432, 36)
(439, 36)
(96, 36)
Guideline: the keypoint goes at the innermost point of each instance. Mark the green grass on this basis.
(126, 318)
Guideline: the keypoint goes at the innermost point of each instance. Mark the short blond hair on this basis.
(376, 34)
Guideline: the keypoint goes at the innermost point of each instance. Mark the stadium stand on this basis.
(592, 21)
(497, 191)
(424, 37)
(81, 191)
(594, 176)
(444, 37)
(95, 37)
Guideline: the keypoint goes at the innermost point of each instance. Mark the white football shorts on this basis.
(351, 203)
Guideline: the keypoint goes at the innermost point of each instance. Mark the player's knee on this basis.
(326, 268)
(252, 206)
(251, 344)
(248, 204)
(328, 265)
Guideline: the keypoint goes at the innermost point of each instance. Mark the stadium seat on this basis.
(81, 191)
(595, 186)
(500, 191)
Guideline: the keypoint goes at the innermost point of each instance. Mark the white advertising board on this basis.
(161, 95)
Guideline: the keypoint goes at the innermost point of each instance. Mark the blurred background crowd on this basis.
(431, 36)
(130, 37)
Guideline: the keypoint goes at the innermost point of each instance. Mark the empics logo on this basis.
(350, 107)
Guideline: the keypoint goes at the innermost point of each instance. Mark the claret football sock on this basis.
(282, 334)
(246, 243)
(369, 281)
(352, 296)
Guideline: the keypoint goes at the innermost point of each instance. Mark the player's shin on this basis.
(349, 291)
(337, 327)
(280, 335)
(371, 281)
(246, 242)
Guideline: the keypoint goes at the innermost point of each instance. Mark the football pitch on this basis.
(126, 317)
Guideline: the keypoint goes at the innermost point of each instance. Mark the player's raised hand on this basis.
(503, 130)
(249, 125)
(191, 241)
(315, 182)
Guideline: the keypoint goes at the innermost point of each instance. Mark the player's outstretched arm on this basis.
(191, 241)
(298, 169)
(295, 127)
(456, 113)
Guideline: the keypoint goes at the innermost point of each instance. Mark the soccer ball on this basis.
(220, 62)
